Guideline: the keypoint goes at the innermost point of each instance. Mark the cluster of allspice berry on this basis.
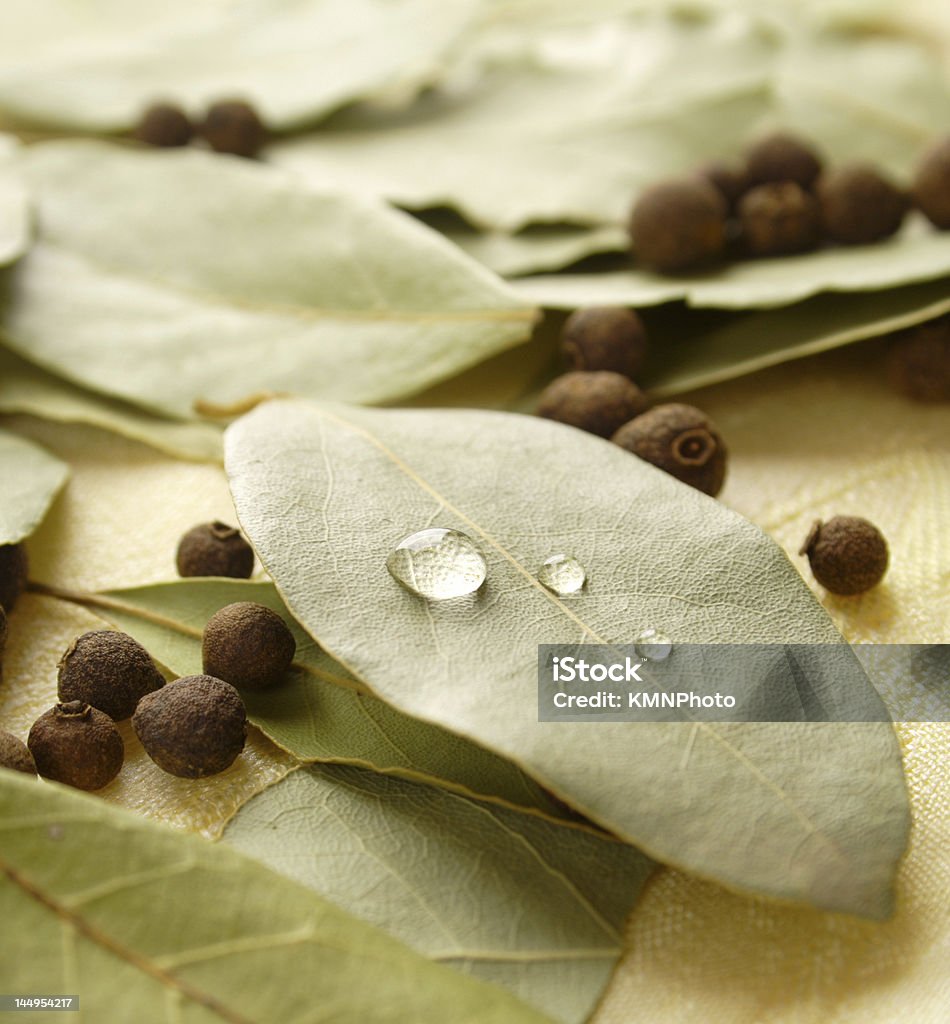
(606, 347)
(192, 727)
(780, 199)
(228, 126)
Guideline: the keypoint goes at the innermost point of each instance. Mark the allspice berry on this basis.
(232, 126)
(165, 125)
(918, 361)
(782, 157)
(247, 645)
(14, 567)
(597, 401)
(605, 338)
(4, 631)
(193, 727)
(847, 554)
(214, 549)
(109, 670)
(859, 205)
(779, 219)
(730, 180)
(931, 187)
(680, 439)
(678, 224)
(15, 754)
(76, 744)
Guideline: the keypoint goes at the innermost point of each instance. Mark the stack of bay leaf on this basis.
(400, 778)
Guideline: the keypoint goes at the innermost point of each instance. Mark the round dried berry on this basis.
(605, 338)
(165, 125)
(919, 361)
(214, 549)
(779, 219)
(782, 157)
(15, 754)
(931, 188)
(678, 224)
(193, 727)
(597, 401)
(232, 126)
(859, 205)
(681, 440)
(730, 181)
(109, 670)
(247, 644)
(847, 555)
(14, 567)
(75, 744)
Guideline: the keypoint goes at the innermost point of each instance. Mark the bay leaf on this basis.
(141, 923)
(526, 904)
(294, 59)
(175, 279)
(323, 712)
(577, 139)
(918, 254)
(32, 478)
(25, 388)
(806, 811)
(15, 214)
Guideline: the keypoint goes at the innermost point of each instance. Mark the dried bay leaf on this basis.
(279, 289)
(140, 921)
(524, 903)
(25, 388)
(32, 478)
(15, 215)
(811, 812)
(294, 59)
(322, 713)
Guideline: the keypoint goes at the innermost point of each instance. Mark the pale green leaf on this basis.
(96, 67)
(176, 279)
(527, 904)
(31, 478)
(323, 713)
(15, 215)
(144, 923)
(25, 388)
(917, 254)
(807, 812)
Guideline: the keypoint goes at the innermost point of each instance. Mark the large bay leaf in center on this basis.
(805, 811)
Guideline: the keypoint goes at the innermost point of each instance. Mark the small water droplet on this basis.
(437, 563)
(562, 575)
(653, 645)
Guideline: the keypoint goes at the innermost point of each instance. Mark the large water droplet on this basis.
(653, 645)
(562, 575)
(438, 564)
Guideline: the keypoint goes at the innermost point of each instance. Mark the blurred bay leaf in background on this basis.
(31, 478)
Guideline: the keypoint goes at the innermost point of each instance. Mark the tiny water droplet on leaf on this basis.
(562, 575)
(437, 564)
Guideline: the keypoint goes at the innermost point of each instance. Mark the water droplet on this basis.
(562, 575)
(437, 564)
(652, 645)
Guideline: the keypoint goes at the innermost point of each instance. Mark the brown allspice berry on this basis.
(730, 180)
(918, 361)
(597, 401)
(680, 439)
(847, 554)
(14, 567)
(109, 670)
(233, 126)
(782, 157)
(678, 224)
(165, 125)
(779, 219)
(214, 549)
(4, 632)
(15, 754)
(605, 338)
(931, 186)
(247, 645)
(193, 727)
(76, 744)
(859, 205)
